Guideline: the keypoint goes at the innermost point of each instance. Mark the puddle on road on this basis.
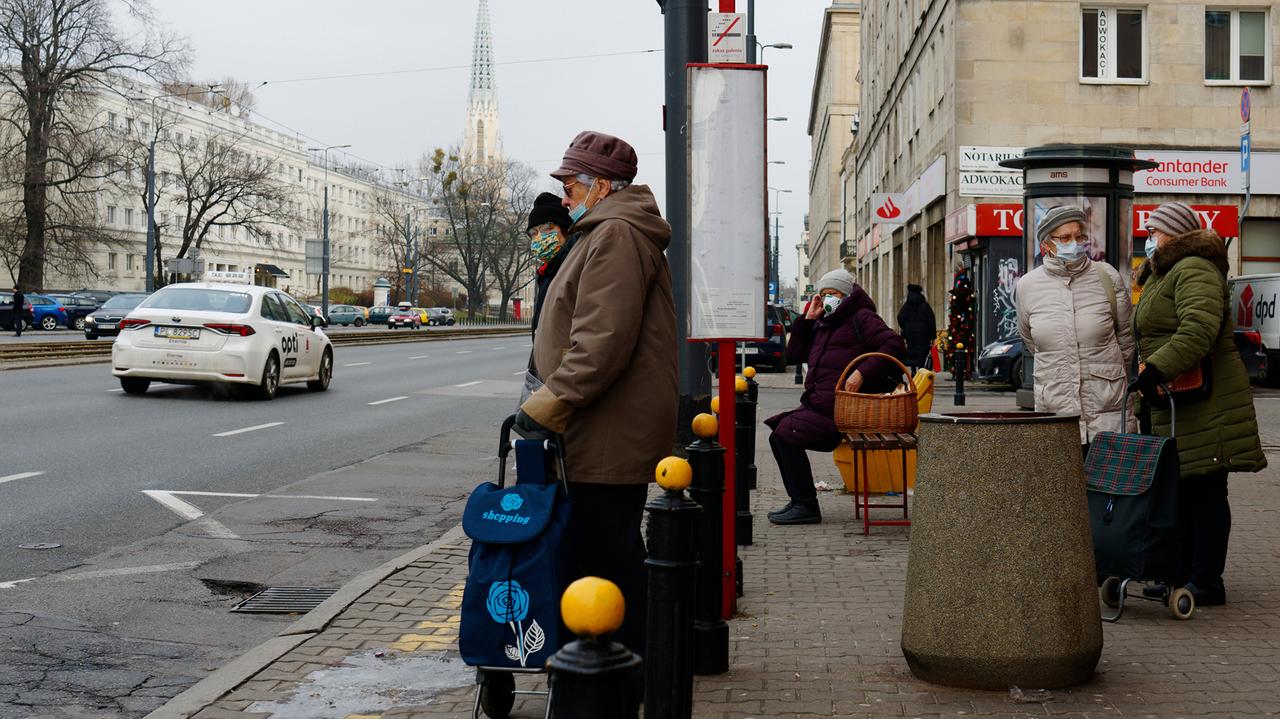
(366, 684)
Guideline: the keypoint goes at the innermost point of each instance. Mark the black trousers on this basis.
(604, 537)
(1206, 521)
(793, 465)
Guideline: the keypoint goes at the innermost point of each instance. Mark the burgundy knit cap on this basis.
(599, 155)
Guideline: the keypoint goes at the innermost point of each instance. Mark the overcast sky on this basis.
(390, 119)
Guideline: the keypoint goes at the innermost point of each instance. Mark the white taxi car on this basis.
(198, 332)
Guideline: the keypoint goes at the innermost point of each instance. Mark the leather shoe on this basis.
(802, 512)
(785, 508)
(1208, 596)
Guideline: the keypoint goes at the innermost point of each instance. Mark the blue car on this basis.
(48, 312)
(1001, 362)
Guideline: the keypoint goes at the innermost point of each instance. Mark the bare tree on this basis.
(510, 260)
(469, 198)
(396, 234)
(225, 95)
(54, 54)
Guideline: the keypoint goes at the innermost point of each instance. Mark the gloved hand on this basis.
(529, 426)
(1147, 380)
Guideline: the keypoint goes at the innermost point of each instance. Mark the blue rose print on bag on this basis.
(508, 603)
(512, 502)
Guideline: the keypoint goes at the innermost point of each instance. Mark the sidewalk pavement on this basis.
(817, 633)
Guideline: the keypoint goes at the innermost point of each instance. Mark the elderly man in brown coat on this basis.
(606, 350)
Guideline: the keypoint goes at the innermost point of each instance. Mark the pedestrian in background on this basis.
(549, 241)
(1073, 315)
(1181, 322)
(606, 351)
(839, 323)
(19, 304)
(918, 327)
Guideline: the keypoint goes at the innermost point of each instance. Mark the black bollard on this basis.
(672, 563)
(960, 363)
(744, 467)
(753, 394)
(710, 631)
(799, 373)
(593, 677)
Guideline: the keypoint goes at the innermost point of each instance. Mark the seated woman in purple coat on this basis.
(839, 323)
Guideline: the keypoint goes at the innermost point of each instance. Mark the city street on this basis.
(132, 604)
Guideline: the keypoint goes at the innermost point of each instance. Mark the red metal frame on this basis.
(862, 490)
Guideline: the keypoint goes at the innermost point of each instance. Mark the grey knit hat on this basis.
(1057, 217)
(1174, 218)
(839, 280)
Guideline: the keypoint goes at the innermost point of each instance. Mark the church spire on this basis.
(483, 139)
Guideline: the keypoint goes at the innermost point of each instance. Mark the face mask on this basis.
(829, 304)
(1070, 251)
(576, 213)
(545, 245)
(1150, 247)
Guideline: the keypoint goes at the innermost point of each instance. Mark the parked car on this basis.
(380, 314)
(439, 316)
(77, 308)
(98, 296)
(105, 321)
(772, 352)
(1001, 361)
(47, 313)
(7, 313)
(346, 315)
(405, 316)
(257, 338)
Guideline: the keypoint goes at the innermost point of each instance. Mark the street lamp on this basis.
(151, 179)
(411, 247)
(773, 249)
(324, 267)
(776, 46)
(776, 119)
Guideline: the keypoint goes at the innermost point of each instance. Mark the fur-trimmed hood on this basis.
(1200, 243)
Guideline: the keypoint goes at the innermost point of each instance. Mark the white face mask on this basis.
(1069, 251)
(830, 303)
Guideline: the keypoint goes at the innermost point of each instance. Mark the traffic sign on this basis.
(727, 37)
(1244, 105)
(1245, 152)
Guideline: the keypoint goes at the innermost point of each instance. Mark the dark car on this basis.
(380, 314)
(770, 353)
(98, 296)
(6, 311)
(1001, 361)
(77, 308)
(105, 321)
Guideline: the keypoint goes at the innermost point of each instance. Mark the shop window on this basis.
(1235, 46)
(1113, 45)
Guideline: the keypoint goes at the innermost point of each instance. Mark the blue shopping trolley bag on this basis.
(518, 569)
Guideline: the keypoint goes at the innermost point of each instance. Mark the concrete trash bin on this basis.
(1000, 577)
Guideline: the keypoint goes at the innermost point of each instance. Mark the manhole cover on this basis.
(39, 545)
(284, 600)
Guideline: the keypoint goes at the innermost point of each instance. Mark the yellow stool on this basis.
(886, 465)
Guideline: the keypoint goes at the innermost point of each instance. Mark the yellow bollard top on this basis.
(715, 405)
(592, 606)
(749, 373)
(705, 426)
(674, 473)
(740, 384)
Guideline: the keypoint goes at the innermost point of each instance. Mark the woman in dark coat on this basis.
(1184, 319)
(918, 326)
(548, 230)
(840, 323)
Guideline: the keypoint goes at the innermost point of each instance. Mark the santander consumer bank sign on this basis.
(1206, 173)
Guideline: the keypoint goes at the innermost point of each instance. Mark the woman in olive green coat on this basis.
(1183, 318)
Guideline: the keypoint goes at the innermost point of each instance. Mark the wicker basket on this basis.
(889, 413)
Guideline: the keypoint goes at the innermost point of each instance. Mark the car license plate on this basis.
(751, 350)
(107, 326)
(178, 333)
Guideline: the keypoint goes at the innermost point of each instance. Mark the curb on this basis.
(231, 675)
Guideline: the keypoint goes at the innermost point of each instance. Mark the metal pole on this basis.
(151, 215)
(773, 259)
(685, 41)
(324, 269)
(408, 260)
(751, 32)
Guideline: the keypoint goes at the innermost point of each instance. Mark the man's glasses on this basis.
(1078, 237)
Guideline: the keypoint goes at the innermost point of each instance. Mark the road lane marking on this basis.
(356, 364)
(100, 573)
(463, 352)
(497, 348)
(517, 374)
(421, 357)
(117, 389)
(194, 493)
(469, 384)
(19, 475)
(186, 510)
(254, 428)
(385, 401)
(15, 582)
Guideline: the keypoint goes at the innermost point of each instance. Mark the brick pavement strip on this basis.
(818, 629)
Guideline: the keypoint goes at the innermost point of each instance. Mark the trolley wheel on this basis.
(1182, 603)
(497, 694)
(1109, 592)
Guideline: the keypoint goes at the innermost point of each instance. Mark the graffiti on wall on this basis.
(1002, 307)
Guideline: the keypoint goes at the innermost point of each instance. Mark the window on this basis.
(111, 120)
(128, 262)
(128, 124)
(128, 217)
(111, 260)
(1112, 45)
(272, 310)
(1235, 46)
(111, 216)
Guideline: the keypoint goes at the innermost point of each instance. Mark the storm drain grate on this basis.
(284, 600)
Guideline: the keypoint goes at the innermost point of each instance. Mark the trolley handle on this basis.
(1173, 411)
(550, 442)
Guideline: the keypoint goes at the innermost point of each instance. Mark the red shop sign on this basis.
(1223, 219)
(999, 220)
